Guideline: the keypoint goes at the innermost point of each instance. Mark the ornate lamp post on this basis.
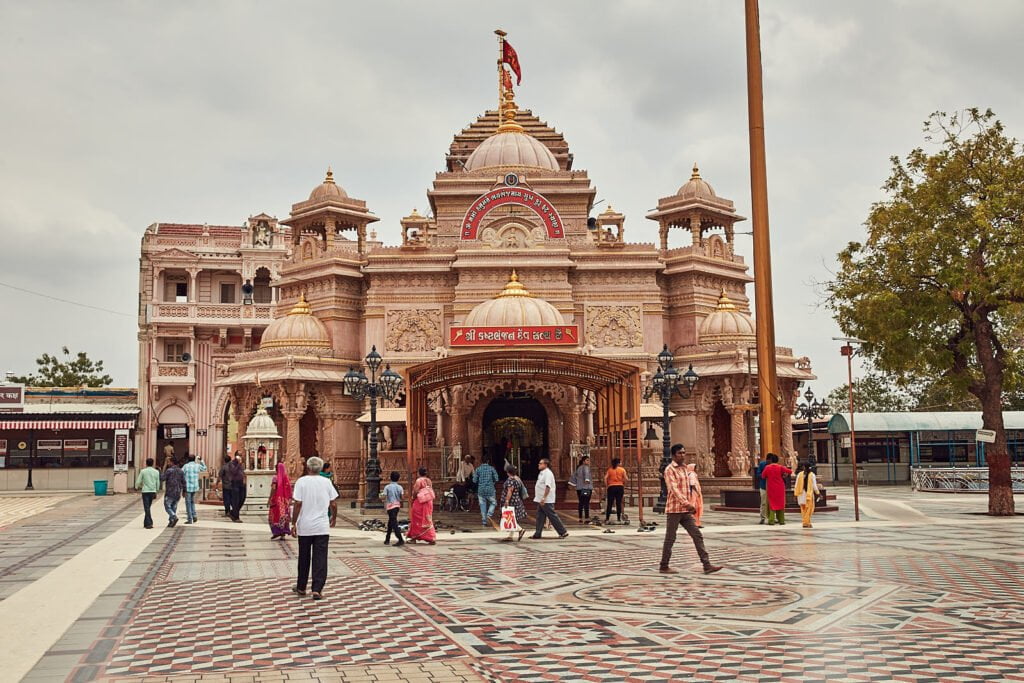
(359, 387)
(666, 383)
(809, 410)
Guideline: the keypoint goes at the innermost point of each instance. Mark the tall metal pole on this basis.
(848, 352)
(771, 427)
(373, 464)
(666, 446)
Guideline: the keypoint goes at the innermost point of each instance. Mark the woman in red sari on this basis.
(421, 520)
(279, 506)
(776, 488)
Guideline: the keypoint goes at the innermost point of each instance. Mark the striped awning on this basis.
(67, 424)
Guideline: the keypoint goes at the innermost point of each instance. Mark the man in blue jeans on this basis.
(174, 485)
(148, 482)
(485, 477)
(191, 471)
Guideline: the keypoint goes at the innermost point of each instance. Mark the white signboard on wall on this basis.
(122, 450)
(985, 436)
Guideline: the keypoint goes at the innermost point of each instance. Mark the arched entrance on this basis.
(721, 428)
(515, 428)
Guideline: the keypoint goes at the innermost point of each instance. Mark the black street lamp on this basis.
(810, 410)
(666, 383)
(359, 387)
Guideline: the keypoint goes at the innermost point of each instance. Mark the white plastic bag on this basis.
(508, 519)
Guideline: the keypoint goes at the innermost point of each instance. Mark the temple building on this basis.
(524, 324)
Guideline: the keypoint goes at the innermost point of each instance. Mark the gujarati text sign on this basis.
(515, 335)
(516, 196)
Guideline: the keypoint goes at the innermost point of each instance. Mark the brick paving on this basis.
(930, 593)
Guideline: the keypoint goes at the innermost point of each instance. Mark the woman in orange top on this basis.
(615, 480)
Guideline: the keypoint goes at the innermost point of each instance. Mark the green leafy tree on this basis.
(938, 287)
(79, 371)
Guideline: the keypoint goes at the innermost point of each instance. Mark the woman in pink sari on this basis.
(421, 520)
(279, 505)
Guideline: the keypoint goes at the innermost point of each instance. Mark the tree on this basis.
(79, 371)
(938, 287)
(872, 393)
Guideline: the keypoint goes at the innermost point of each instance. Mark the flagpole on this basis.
(764, 314)
(501, 58)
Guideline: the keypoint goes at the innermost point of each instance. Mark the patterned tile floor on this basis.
(923, 590)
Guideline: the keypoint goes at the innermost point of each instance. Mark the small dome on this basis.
(261, 426)
(512, 149)
(726, 324)
(299, 328)
(514, 306)
(696, 187)
(328, 189)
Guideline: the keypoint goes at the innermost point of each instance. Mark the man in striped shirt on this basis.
(679, 509)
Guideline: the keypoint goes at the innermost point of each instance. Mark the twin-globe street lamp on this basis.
(811, 410)
(386, 387)
(666, 383)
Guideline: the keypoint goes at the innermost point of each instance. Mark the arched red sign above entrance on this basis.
(517, 196)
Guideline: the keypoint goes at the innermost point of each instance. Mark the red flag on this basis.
(509, 56)
(506, 80)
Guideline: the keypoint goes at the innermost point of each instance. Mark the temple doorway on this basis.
(308, 446)
(516, 429)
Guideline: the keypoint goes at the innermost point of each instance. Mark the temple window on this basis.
(173, 351)
(227, 293)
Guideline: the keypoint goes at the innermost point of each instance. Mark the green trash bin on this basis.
(99, 487)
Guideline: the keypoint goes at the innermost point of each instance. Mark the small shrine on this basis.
(261, 452)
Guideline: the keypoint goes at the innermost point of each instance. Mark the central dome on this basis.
(727, 324)
(514, 307)
(512, 149)
(299, 328)
(328, 189)
(696, 187)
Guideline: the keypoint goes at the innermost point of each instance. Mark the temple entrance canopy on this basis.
(615, 387)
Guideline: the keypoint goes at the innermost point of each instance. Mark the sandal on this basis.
(522, 532)
(298, 592)
(318, 596)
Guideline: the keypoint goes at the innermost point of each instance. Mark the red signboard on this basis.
(12, 398)
(516, 335)
(518, 197)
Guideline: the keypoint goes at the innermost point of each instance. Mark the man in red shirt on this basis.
(679, 509)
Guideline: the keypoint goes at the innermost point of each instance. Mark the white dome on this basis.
(726, 324)
(261, 426)
(514, 306)
(513, 149)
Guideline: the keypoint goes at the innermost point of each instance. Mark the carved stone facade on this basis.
(614, 327)
(413, 330)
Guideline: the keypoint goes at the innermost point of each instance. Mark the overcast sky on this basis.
(118, 115)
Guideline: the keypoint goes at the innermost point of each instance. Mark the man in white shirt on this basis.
(544, 496)
(314, 511)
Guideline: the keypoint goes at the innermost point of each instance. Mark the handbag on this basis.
(508, 519)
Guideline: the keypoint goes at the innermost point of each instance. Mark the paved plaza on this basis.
(922, 589)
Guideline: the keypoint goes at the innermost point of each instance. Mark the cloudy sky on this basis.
(118, 115)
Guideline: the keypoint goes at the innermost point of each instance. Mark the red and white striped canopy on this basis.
(67, 424)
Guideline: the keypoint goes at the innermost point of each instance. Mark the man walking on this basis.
(174, 485)
(148, 482)
(762, 488)
(485, 477)
(679, 509)
(191, 471)
(544, 496)
(313, 505)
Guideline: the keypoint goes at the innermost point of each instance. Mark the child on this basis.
(393, 493)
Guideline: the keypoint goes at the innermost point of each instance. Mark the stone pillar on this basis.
(439, 417)
(193, 275)
(458, 426)
(361, 244)
(739, 431)
(292, 454)
(330, 228)
(663, 235)
(695, 230)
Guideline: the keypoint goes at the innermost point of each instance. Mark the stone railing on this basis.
(206, 312)
(172, 372)
(959, 479)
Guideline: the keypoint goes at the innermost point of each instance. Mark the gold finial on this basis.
(725, 303)
(509, 110)
(514, 287)
(415, 214)
(608, 210)
(301, 307)
(330, 176)
(696, 172)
